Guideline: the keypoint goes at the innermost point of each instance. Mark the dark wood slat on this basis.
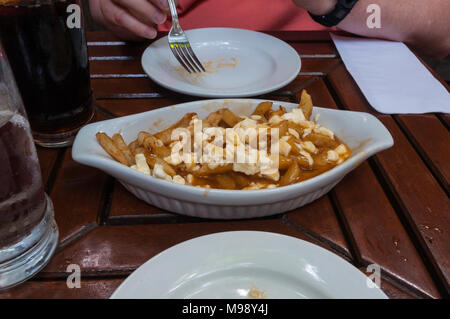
(47, 159)
(118, 250)
(318, 221)
(133, 49)
(423, 204)
(432, 140)
(123, 107)
(318, 64)
(124, 86)
(77, 196)
(90, 289)
(102, 36)
(144, 88)
(126, 204)
(377, 233)
(315, 48)
(129, 66)
(300, 36)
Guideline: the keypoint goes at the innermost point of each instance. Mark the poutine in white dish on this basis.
(361, 135)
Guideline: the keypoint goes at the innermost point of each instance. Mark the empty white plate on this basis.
(246, 264)
(238, 63)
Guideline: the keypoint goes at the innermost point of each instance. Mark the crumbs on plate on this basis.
(255, 293)
(211, 67)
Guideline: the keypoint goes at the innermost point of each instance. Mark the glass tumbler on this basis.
(28, 232)
(46, 46)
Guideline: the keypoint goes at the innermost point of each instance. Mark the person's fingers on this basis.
(117, 16)
(162, 4)
(143, 10)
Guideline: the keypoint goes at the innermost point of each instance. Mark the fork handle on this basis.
(174, 13)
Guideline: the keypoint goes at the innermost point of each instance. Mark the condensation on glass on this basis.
(28, 232)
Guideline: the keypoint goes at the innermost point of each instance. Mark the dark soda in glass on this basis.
(50, 63)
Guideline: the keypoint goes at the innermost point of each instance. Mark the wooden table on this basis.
(393, 210)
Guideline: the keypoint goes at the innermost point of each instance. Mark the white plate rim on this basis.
(304, 248)
(205, 93)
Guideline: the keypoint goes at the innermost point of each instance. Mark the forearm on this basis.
(422, 24)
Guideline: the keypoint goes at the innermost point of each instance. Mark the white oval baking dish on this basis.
(363, 132)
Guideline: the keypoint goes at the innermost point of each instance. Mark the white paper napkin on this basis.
(391, 77)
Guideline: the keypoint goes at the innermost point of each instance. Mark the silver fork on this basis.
(180, 46)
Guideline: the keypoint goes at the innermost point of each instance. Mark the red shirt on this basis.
(272, 15)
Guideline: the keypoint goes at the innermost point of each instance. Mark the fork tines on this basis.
(186, 56)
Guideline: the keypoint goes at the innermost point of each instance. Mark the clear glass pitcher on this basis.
(28, 232)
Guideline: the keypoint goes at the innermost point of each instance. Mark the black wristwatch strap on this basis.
(340, 11)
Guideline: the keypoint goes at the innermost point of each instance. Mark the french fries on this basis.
(226, 182)
(321, 140)
(214, 118)
(153, 160)
(284, 162)
(120, 143)
(305, 149)
(230, 118)
(272, 113)
(241, 181)
(291, 175)
(111, 148)
(205, 170)
(282, 127)
(262, 108)
(306, 104)
(166, 135)
(157, 146)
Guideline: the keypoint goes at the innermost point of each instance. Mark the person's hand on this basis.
(317, 7)
(130, 19)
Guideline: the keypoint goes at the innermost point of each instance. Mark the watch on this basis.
(340, 11)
